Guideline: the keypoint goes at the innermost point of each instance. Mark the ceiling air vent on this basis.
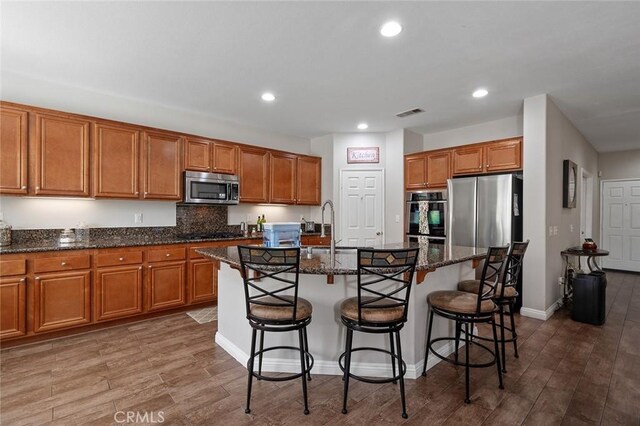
(409, 112)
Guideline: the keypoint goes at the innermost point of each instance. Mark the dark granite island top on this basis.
(345, 262)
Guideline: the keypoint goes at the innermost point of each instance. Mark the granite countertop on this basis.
(41, 246)
(431, 256)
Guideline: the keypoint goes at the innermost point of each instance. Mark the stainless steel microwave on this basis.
(211, 188)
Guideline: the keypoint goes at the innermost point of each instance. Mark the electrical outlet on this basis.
(397, 218)
(551, 231)
(555, 230)
(560, 280)
(571, 227)
(137, 217)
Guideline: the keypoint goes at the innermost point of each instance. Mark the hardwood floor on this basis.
(568, 373)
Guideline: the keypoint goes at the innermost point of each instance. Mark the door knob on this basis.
(378, 233)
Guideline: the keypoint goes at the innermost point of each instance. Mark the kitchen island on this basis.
(445, 265)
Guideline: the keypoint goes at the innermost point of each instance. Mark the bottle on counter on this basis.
(263, 221)
(82, 232)
(259, 224)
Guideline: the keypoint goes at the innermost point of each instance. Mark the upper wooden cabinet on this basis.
(427, 170)
(61, 155)
(161, 165)
(488, 157)
(283, 178)
(13, 147)
(253, 174)
(115, 161)
(503, 155)
(308, 180)
(207, 155)
(224, 158)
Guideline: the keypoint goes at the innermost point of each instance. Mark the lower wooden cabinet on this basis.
(62, 300)
(203, 280)
(165, 285)
(118, 292)
(12, 307)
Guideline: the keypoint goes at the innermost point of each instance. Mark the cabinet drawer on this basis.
(61, 263)
(13, 267)
(119, 258)
(166, 254)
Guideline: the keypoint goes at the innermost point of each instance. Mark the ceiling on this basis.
(330, 68)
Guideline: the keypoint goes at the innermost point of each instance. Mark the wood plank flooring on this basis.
(568, 373)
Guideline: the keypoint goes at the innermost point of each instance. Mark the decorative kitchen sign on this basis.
(363, 155)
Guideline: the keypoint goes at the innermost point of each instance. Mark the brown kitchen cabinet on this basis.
(13, 151)
(61, 155)
(161, 165)
(308, 180)
(315, 240)
(115, 161)
(425, 170)
(488, 157)
(165, 285)
(253, 164)
(203, 280)
(503, 155)
(207, 155)
(62, 300)
(12, 307)
(283, 178)
(117, 292)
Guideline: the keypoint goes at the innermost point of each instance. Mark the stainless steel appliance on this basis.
(211, 188)
(426, 216)
(485, 211)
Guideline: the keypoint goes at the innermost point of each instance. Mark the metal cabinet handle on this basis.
(37, 278)
(137, 193)
(168, 254)
(149, 266)
(140, 268)
(63, 263)
(37, 187)
(23, 187)
(22, 280)
(121, 259)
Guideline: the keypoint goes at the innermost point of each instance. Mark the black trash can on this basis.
(589, 297)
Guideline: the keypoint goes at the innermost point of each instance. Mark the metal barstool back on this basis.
(270, 278)
(384, 287)
(492, 274)
(512, 269)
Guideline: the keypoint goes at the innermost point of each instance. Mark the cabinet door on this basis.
(468, 160)
(162, 165)
(254, 175)
(197, 155)
(115, 161)
(13, 151)
(165, 287)
(62, 155)
(12, 307)
(62, 300)
(309, 181)
(203, 280)
(438, 169)
(283, 178)
(415, 171)
(118, 292)
(504, 155)
(224, 158)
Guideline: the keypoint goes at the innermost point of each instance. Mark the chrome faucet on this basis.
(243, 228)
(333, 223)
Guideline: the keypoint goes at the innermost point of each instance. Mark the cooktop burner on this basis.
(211, 235)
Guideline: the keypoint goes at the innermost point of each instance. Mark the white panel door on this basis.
(362, 208)
(621, 224)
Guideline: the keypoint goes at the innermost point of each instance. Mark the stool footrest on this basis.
(402, 366)
(459, 363)
(280, 378)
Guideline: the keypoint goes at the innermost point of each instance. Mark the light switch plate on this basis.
(137, 217)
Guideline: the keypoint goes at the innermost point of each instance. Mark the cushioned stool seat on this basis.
(372, 313)
(473, 286)
(459, 302)
(280, 313)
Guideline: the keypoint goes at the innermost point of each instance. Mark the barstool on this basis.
(505, 296)
(384, 286)
(469, 309)
(271, 307)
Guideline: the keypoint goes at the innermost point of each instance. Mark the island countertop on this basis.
(345, 262)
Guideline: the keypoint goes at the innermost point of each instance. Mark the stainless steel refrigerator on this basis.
(485, 211)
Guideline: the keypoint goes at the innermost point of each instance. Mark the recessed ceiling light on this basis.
(391, 29)
(363, 126)
(269, 97)
(480, 93)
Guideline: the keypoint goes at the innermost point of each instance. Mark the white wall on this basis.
(620, 165)
(54, 213)
(413, 142)
(28, 90)
(564, 141)
(491, 130)
(394, 186)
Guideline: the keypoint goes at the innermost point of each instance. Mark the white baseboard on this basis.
(539, 314)
(284, 365)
